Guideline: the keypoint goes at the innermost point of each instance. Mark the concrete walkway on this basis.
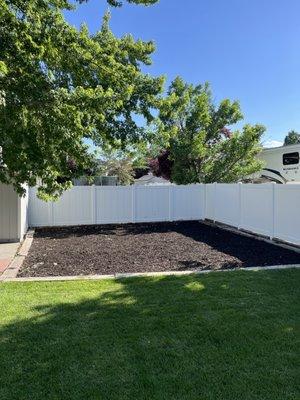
(7, 253)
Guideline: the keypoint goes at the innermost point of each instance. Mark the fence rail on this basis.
(267, 209)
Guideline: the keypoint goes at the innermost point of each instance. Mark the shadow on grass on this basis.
(153, 338)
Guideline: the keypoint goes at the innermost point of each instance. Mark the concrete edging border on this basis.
(143, 274)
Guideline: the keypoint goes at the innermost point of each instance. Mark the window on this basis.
(291, 158)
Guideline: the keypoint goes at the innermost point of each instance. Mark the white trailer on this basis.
(282, 164)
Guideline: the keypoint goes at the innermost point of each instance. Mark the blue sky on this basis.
(248, 50)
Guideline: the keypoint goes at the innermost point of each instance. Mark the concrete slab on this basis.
(8, 250)
(4, 263)
(9, 267)
(7, 254)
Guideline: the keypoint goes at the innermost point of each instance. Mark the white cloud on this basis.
(272, 143)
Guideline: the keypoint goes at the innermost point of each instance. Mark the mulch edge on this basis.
(13, 268)
(142, 274)
(239, 231)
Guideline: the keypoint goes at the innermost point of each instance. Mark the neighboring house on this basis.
(150, 179)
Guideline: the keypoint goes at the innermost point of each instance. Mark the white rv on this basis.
(282, 164)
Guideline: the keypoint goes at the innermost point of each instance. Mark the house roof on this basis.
(150, 179)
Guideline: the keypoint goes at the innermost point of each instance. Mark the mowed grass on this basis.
(217, 336)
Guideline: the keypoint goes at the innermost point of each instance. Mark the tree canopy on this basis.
(59, 86)
(292, 137)
(197, 140)
(116, 163)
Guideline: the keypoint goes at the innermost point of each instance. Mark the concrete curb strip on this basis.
(140, 275)
(25, 247)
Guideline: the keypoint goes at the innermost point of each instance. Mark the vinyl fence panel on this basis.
(227, 204)
(210, 190)
(40, 212)
(152, 203)
(287, 213)
(83, 205)
(187, 202)
(113, 204)
(74, 207)
(257, 208)
(269, 209)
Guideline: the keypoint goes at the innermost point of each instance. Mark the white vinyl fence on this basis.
(267, 209)
(119, 204)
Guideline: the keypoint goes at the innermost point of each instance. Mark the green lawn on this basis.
(217, 336)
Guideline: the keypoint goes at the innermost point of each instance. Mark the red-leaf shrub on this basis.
(162, 165)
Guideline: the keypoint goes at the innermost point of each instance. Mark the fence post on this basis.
(133, 201)
(273, 210)
(93, 205)
(51, 212)
(170, 202)
(204, 200)
(240, 204)
(215, 200)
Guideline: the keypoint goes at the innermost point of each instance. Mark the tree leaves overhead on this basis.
(58, 86)
(200, 145)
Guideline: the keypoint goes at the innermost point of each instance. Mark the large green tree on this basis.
(59, 86)
(201, 147)
(292, 137)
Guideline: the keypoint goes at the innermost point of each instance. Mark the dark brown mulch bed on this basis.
(108, 249)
